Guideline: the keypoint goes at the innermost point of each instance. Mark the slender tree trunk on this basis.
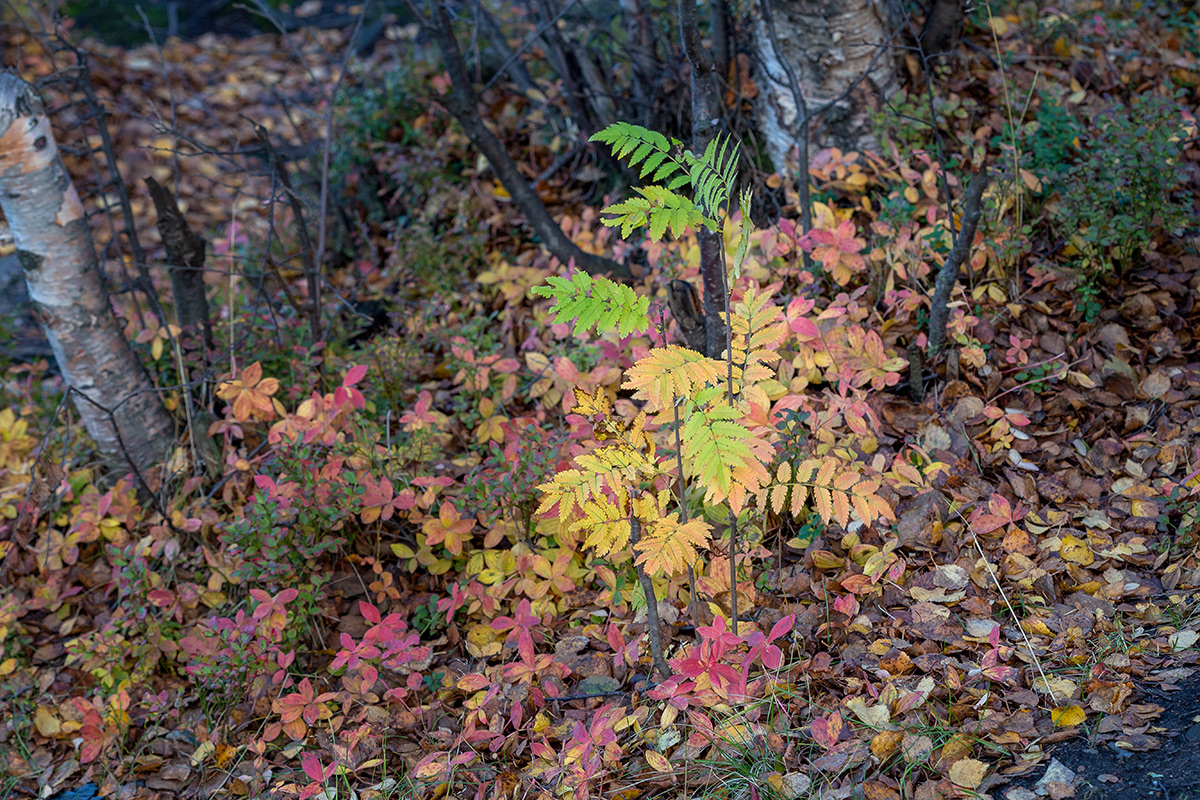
(114, 396)
(185, 260)
(653, 623)
(943, 27)
(706, 121)
(842, 56)
(939, 312)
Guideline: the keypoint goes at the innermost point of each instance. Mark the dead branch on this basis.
(948, 274)
(463, 104)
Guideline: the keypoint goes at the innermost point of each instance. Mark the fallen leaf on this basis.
(658, 761)
(968, 772)
(46, 722)
(1068, 716)
(1076, 551)
(1183, 640)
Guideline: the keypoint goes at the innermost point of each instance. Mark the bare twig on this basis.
(307, 250)
(1004, 596)
(330, 103)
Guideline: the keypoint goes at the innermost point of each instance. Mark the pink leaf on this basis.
(312, 766)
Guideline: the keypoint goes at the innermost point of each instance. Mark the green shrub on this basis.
(1117, 192)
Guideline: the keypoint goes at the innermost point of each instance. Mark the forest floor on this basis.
(363, 589)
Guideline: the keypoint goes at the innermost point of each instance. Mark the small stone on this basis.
(1056, 773)
(1019, 793)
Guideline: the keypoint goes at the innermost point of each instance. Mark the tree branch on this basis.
(948, 274)
(463, 104)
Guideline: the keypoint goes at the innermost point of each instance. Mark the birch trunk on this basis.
(841, 52)
(118, 404)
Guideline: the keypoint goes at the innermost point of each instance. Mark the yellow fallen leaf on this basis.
(1068, 716)
(884, 743)
(999, 25)
(7, 666)
(658, 761)
(875, 716)
(205, 750)
(792, 786)
(968, 773)
(46, 722)
(1058, 688)
(1076, 551)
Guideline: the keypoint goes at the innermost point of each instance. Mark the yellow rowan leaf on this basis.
(589, 405)
(671, 372)
(604, 524)
(669, 547)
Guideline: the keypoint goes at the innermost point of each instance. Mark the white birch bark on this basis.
(830, 45)
(125, 416)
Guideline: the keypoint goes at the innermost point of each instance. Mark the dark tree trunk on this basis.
(185, 260)
(943, 27)
(706, 121)
(939, 313)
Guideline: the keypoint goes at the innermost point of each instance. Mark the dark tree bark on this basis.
(463, 104)
(948, 274)
(943, 27)
(185, 260)
(718, 14)
(308, 253)
(653, 623)
(688, 313)
(706, 121)
(643, 52)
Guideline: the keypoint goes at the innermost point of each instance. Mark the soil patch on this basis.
(1146, 762)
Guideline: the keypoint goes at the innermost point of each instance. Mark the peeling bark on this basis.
(115, 398)
(835, 51)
